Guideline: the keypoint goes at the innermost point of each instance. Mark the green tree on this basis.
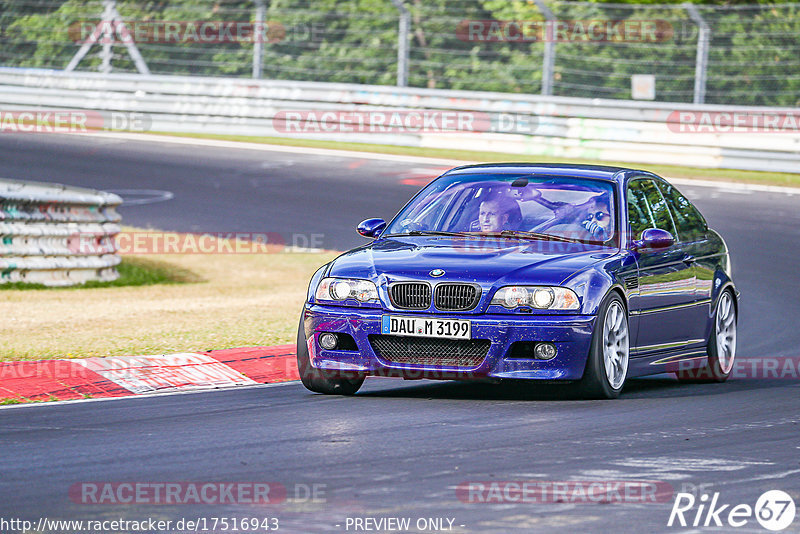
(753, 57)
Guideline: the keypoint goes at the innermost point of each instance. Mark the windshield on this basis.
(512, 205)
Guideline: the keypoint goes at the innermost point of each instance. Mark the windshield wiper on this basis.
(430, 232)
(519, 234)
(533, 235)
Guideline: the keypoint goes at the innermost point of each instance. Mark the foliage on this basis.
(753, 58)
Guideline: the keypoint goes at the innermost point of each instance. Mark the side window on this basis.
(639, 214)
(647, 208)
(691, 225)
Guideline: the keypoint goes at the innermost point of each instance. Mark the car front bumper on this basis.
(571, 334)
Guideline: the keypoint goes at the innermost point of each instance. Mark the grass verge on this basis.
(670, 171)
(171, 303)
(133, 271)
(25, 400)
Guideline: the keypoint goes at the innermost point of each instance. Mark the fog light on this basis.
(545, 351)
(328, 341)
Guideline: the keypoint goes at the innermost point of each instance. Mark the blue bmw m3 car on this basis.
(543, 272)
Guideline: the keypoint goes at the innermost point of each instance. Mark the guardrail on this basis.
(563, 127)
(57, 235)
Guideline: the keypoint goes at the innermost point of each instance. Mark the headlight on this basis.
(346, 288)
(314, 282)
(542, 298)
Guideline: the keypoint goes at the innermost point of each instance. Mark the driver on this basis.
(598, 218)
(495, 213)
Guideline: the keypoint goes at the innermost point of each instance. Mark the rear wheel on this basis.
(607, 366)
(721, 345)
(317, 380)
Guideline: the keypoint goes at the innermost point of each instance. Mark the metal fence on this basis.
(733, 54)
(712, 136)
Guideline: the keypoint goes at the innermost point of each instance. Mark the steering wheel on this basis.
(410, 226)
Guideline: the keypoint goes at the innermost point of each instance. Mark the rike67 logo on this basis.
(774, 510)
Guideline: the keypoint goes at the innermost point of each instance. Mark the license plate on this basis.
(426, 327)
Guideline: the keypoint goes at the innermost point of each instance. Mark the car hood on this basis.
(486, 261)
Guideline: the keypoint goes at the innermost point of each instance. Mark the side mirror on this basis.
(655, 238)
(371, 227)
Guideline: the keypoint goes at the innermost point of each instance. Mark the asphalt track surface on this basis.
(399, 449)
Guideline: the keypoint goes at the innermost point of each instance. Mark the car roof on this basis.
(604, 172)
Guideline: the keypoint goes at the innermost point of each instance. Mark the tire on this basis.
(317, 380)
(721, 347)
(607, 365)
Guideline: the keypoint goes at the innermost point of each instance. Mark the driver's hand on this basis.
(597, 231)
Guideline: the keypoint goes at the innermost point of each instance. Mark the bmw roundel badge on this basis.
(436, 273)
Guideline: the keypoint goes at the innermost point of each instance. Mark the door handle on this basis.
(689, 259)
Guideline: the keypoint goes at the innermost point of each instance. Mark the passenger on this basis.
(598, 218)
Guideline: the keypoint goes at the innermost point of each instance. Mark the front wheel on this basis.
(721, 345)
(607, 366)
(317, 380)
